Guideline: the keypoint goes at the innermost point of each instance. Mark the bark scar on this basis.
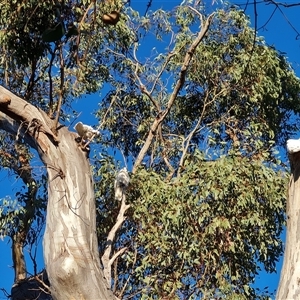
(60, 172)
(37, 126)
(5, 100)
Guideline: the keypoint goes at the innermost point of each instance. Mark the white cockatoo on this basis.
(86, 132)
(121, 183)
(293, 146)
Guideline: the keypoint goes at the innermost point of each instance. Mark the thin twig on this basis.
(142, 86)
(102, 123)
(170, 55)
(130, 275)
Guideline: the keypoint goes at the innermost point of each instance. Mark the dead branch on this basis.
(282, 3)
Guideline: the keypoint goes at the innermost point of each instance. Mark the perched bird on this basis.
(121, 183)
(293, 146)
(86, 132)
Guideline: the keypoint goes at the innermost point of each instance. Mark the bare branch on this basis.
(269, 19)
(277, 7)
(282, 4)
(31, 82)
(50, 113)
(117, 254)
(46, 288)
(106, 260)
(285, 17)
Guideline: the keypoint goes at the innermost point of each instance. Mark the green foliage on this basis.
(227, 92)
(207, 202)
(9, 214)
(205, 230)
(31, 67)
(105, 172)
(203, 233)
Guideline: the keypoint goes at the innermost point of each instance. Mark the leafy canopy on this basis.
(207, 204)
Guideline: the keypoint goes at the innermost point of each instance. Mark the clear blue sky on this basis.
(278, 32)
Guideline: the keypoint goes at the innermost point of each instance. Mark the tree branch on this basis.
(187, 140)
(282, 4)
(106, 260)
(61, 89)
(141, 85)
(180, 82)
(50, 113)
(18, 115)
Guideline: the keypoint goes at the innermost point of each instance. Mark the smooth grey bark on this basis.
(70, 243)
(289, 284)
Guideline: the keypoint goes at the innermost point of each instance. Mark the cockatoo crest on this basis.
(121, 183)
(293, 146)
(86, 132)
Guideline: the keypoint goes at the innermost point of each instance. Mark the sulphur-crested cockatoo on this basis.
(293, 146)
(121, 183)
(86, 132)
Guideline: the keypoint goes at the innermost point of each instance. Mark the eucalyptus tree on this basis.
(196, 118)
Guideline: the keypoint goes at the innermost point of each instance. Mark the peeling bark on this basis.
(70, 243)
(289, 285)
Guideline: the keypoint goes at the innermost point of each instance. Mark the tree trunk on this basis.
(70, 242)
(289, 285)
(18, 256)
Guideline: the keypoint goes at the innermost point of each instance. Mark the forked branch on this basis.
(179, 84)
(107, 261)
